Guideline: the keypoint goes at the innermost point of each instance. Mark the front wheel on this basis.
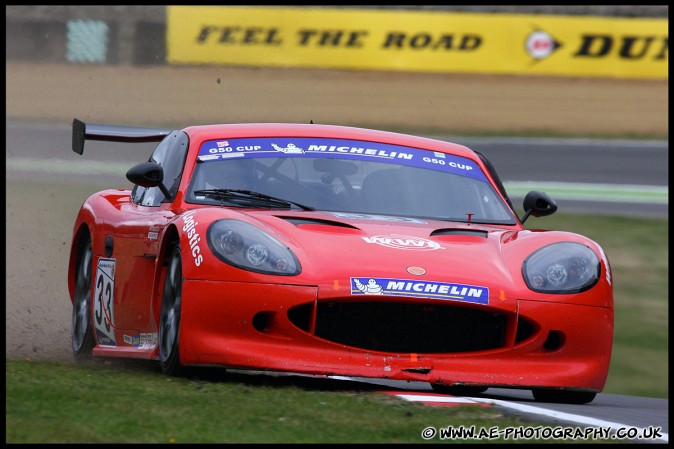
(169, 321)
(82, 329)
(563, 397)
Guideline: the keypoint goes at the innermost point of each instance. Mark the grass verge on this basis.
(93, 403)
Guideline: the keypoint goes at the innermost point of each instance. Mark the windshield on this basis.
(341, 175)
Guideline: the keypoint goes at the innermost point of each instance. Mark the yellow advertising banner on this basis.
(420, 41)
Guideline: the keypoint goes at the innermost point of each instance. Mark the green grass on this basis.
(106, 403)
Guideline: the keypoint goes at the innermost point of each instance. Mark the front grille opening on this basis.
(404, 327)
(524, 330)
(300, 316)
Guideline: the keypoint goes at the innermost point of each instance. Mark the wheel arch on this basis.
(80, 236)
(171, 237)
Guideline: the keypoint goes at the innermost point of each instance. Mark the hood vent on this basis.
(470, 232)
(297, 221)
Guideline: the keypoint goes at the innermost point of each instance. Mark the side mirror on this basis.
(538, 204)
(148, 174)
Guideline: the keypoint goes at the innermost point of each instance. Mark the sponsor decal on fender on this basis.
(142, 341)
(420, 289)
(153, 233)
(189, 227)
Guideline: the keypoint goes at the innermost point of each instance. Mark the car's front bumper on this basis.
(243, 325)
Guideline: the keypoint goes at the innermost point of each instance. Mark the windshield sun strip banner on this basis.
(265, 147)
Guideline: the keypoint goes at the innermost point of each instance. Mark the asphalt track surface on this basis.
(41, 155)
(584, 175)
(607, 410)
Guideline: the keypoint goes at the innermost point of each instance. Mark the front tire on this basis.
(563, 397)
(169, 321)
(82, 332)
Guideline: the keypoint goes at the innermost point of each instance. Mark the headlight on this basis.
(561, 268)
(245, 246)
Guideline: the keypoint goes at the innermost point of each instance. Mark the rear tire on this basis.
(563, 397)
(169, 321)
(82, 332)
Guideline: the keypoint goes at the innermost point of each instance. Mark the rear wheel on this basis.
(563, 397)
(82, 330)
(169, 321)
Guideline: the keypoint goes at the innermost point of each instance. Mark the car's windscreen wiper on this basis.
(250, 198)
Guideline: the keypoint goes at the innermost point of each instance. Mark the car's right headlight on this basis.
(565, 267)
(247, 247)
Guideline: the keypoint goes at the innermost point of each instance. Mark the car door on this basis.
(143, 217)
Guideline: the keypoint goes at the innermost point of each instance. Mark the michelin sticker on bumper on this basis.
(420, 289)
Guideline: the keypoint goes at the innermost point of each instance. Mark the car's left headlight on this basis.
(245, 246)
(565, 267)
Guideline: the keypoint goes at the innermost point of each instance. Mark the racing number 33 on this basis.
(103, 302)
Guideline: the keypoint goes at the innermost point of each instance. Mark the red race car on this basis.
(333, 250)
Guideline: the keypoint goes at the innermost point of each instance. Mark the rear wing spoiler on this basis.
(113, 133)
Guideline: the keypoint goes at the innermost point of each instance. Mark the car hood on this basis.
(397, 255)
